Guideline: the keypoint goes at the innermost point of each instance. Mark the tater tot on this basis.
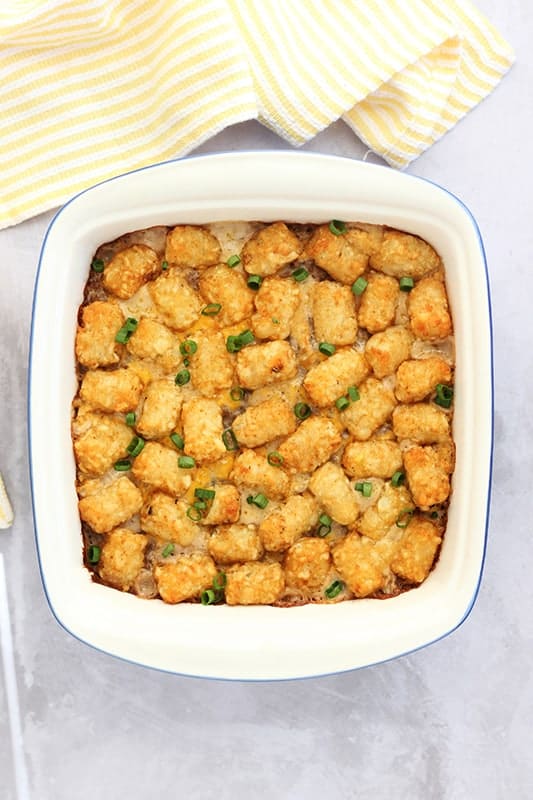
(423, 423)
(226, 286)
(344, 257)
(261, 364)
(211, 366)
(129, 269)
(233, 543)
(373, 409)
(312, 443)
(253, 470)
(428, 310)
(334, 314)
(191, 246)
(307, 565)
(165, 517)
(329, 380)
(375, 458)
(386, 350)
(404, 255)
(186, 578)
(360, 565)
(157, 466)
(393, 505)
(111, 505)
(202, 429)
(334, 493)
(416, 551)
(427, 477)
(154, 341)
(269, 249)
(266, 421)
(102, 443)
(175, 300)
(377, 309)
(416, 379)
(114, 390)
(280, 529)
(122, 557)
(225, 506)
(161, 408)
(95, 337)
(254, 583)
(276, 303)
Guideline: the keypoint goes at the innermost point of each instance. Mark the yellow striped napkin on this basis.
(92, 88)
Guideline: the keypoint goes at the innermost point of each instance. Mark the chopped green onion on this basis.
(406, 284)
(302, 410)
(130, 418)
(124, 333)
(434, 515)
(122, 465)
(97, 265)
(164, 265)
(353, 393)
(194, 514)
(204, 494)
(211, 309)
(135, 446)
(186, 462)
(230, 440)
(177, 440)
(365, 487)
(300, 274)
(168, 550)
(326, 348)
(334, 589)
(275, 459)
(325, 525)
(188, 347)
(246, 337)
(236, 343)
(275, 320)
(404, 517)
(254, 282)
(182, 377)
(258, 500)
(398, 478)
(93, 554)
(342, 403)
(359, 286)
(236, 393)
(444, 395)
(219, 581)
(200, 505)
(337, 227)
(233, 261)
(207, 598)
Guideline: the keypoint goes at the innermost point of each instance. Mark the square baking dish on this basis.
(256, 642)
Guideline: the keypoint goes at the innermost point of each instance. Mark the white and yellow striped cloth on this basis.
(92, 88)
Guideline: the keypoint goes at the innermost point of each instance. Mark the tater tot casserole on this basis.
(264, 412)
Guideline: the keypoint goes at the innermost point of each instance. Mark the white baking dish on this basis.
(256, 642)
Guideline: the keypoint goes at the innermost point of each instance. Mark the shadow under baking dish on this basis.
(256, 643)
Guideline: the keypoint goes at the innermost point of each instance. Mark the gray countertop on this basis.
(450, 722)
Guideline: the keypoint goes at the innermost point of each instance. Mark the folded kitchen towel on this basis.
(93, 88)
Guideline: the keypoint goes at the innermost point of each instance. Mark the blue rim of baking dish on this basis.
(491, 449)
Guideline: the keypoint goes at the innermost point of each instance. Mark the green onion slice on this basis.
(230, 440)
(177, 440)
(404, 517)
(325, 525)
(337, 227)
(406, 284)
(97, 265)
(246, 337)
(124, 333)
(359, 286)
(353, 393)
(130, 418)
(254, 282)
(204, 494)
(168, 550)
(259, 500)
(122, 465)
(334, 589)
(186, 462)
(233, 261)
(434, 515)
(219, 581)
(182, 377)
(211, 309)
(342, 403)
(201, 505)
(164, 265)
(93, 554)
(188, 347)
(135, 446)
(326, 348)
(236, 393)
(365, 487)
(444, 395)
(195, 514)
(207, 598)
(302, 410)
(275, 459)
(398, 478)
(236, 343)
(300, 274)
